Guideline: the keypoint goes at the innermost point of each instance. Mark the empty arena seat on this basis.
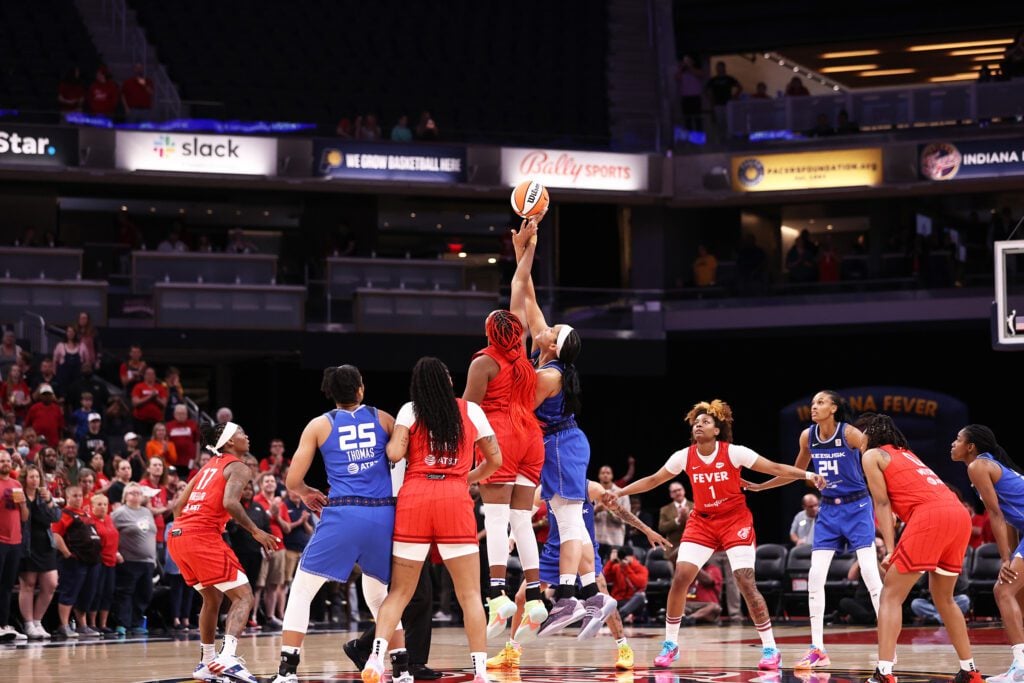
(798, 566)
(770, 571)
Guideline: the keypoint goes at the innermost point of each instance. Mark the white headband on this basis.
(562, 335)
(229, 431)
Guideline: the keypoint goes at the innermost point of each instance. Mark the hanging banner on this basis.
(971, 159)
(575, 170)
(189, 153)
(807, 170)
(38, 145)
(389, 161)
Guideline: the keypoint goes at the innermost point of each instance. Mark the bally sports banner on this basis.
(38, 145)
(971, 159)
(389, 161)
(575, 170)
(807, 170)
(190, 153)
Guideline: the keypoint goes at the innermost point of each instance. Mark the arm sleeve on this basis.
(676, 462)
(741, 456)
(406, 417)
(476, 415)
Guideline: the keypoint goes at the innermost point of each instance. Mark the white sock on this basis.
(884, 667)
(968, 665)
(380, 646)
(765, 631)
(588, 578)
(672, 628)
(622, 641)
(1018, 654)
(209, 652)
(479, 660)
(229, 646)
(290, 650)
(566, 579)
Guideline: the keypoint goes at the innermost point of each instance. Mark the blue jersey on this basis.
(566, 449)
(1010, 491)
(550, 411)
(354, 454)
(838, 462)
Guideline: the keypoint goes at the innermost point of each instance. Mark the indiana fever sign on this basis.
(575, 170)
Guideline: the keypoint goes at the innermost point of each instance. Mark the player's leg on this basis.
(521, 523)
(463, 563)
(690, 559)
(497, 513)
(406, 567)
(742, 560)
(821, 559)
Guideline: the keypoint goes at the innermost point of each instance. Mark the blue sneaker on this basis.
(1014, 674)
(669, 653)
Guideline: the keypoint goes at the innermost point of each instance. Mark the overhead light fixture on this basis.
(848, 67)
(977, 51)
(967, 76)
(887, 72)
(850, 53)
(953, 46)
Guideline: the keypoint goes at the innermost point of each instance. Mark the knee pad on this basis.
(526, 539)
(304, 589)
(569, 516)
(496, 518)
(374, 593)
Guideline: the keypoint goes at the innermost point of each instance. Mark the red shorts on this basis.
(522, 452)
(435, 511)
(720, 531)
(936, 537)
(203, 557)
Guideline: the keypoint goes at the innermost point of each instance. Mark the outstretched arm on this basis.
(803, 457)
(521, 240)
(643, 484)
(766, 466)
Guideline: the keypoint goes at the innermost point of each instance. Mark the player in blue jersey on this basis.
(846, 519)
(357, 520)
(590, 564)
(1000, 484)
(563, 478)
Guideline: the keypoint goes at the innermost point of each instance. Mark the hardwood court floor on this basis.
(708, 655)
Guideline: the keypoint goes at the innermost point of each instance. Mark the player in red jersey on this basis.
(206, 562)
(720, 519)
(437, 432)
(934, 540)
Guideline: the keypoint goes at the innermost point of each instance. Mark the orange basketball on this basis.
(529, 199)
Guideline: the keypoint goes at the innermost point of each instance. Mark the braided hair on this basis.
(210, 435)
(880, 429)
(438, 418)
(570, 375)
(719, 411)
(844, 413)
(505, 334)
(341, 384)
(984, 440)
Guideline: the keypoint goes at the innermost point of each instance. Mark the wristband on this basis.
(808, 475)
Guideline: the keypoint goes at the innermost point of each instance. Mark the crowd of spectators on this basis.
(366, 127)
(132, 100)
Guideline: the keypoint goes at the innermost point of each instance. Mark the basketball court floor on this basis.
(709, 654)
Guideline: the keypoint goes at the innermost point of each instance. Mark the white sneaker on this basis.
(18, 636)
(442, 616)
(231, 666)
(202, 673)
(373, 671)
(288, 678)
(404, 678)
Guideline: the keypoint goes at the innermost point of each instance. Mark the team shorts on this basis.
(435, 511)
(566, 457)
(522, 453)
(203, 557)
(935, 539)
(347, 535)
(849, 526)
(720, 531)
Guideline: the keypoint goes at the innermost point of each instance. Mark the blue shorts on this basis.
(348, 535)
(848, 526)
(1020, 548)
(549, 563)
(566, 456)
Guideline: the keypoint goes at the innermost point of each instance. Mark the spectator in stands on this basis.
(46, 415)
(705, 267)
(173, 242)
(721, 88)
(828, 261)
(89, 337)
(9, 351)
(158, 499)
(38, 568)
(9, 439)
(161, 446)
(609, 529)
(103, 473)
(49, 465)
(401, 131)
(1012, 65)
(204, 245)
(635, 537)
(801, 531)
(426, 127)
(297, 537)
(627, 581)
(184, 434)
(344, 128)
(133, 587)
(149, 398)
(102, 96)
(923, 607)
(118, 420)
(93, 442)
(87, 383)
(70, 465)
(672, 518)
(367, 127)
(796, 88)
(224, 415)
(70, 91)
(844, 126)
(31, 439)
(175, 391)
(127, 231)
(78, 421)
(273, 563)
(122, 477)
(690, 88)
(106, 571)
(15, 395)
(822, 128)
(137, 95)
(237, 244)
(761, 91)
(751, 266)
(14, 512)
(802, 259)
(704, 599)
(275, 462)
(68, 357)
(132, 369)
(78, 563)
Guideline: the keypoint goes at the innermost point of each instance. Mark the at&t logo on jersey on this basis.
(356, 467)
(445, 461)
(430, 460)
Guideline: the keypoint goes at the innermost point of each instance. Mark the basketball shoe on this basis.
(203, 673)
(598, 608)
(499, 610)
(771, 659)
(814, 659)
(669, 653)
(968, 677)
(624, 662)
(507, 657)
(566, 611)
(373, 672)
(1015, 674)
(232, 667)
(879, 677)
(534, 614)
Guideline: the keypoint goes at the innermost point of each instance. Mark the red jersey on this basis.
(422, 462)
(498, 404)
(716, 485)
(912, 483)
(205, 510)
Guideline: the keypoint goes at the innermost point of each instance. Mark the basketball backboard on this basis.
(1008, 309)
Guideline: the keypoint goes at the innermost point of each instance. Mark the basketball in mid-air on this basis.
(529, 199)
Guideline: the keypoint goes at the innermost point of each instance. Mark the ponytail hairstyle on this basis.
(505, 335)
(341, 384)
(844, 413)
(571, 390)
(984, 440)
(438, 419)
(719, 411)
(880, 429)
